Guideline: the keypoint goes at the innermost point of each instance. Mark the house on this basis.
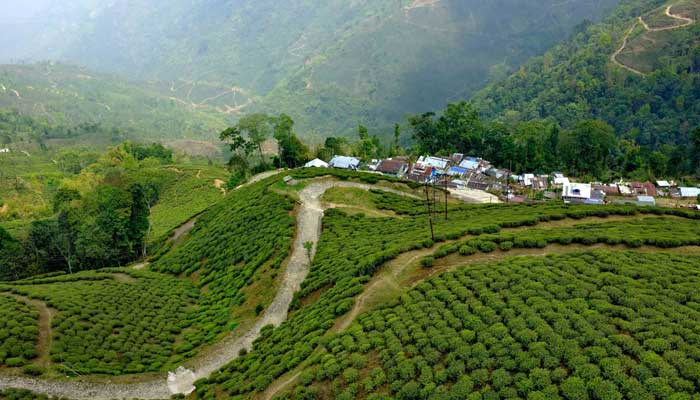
(597, 194)
(643, 189)
(477, 185)
(457, 158)
(457, 171)
(391, 167)
(576, 192)
(342, 162)
(526, 179)
(470, 164)
(495, 173)
(316, 163)
(458, 184)
(646, 201)
(609, 190)
(558, 179)
(690, 192)
(4, 150)
(540, 182)
(436, 162)
(663, 184)
(624, 190)
(421, 175)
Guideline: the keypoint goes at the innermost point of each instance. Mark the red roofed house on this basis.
(391, 167)
(643, 189)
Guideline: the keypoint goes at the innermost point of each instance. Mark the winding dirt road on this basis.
(308, 228)
(685, 22)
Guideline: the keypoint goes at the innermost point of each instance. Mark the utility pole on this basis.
(445, 199)
(430, 215)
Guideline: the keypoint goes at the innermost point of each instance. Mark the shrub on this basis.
(33, 370)
(487, 247)
(466, 250)
(427, 262)
(506, 246)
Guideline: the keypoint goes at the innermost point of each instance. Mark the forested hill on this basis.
(328, 63)
(639, 71)
(59, 95)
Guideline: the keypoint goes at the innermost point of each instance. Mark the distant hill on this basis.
(329, 63)
(639, 70)
(63, 95)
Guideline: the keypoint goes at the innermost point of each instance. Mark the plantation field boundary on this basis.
(308, 230)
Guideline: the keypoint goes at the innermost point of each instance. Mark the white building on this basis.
(343, 162)
(559, 179)
(435, 162)
(5, 150)
(690, 192)
(316, 163)
(576, 192)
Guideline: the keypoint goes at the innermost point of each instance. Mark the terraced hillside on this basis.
(638, 71)
(362, 303)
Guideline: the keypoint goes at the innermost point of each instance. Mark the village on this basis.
(476, 180)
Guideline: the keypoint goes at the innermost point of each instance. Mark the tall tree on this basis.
(257, 127)
(292, 150)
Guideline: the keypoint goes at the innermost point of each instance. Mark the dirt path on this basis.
(308, 228)
(684, 22)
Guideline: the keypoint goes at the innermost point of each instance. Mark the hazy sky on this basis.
(16, 10)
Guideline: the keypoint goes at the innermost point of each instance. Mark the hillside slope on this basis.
(329, 64)
(639, 71)
(65, 95)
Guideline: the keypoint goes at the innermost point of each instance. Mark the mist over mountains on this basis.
(329, 64)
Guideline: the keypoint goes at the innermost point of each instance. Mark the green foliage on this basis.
(350, 250)
(663, 232)
(573, 325)
(82, 107)
(248, 231)
(575, 82)
(109, 325)
(18, 332)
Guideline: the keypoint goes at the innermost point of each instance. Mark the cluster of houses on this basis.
(466, 172)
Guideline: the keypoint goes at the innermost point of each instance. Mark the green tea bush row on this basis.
(350, 250)
(594, 325)
(19, 332)
(660, 232)
(110, 327)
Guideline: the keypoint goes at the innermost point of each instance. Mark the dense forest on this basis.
(655, 113)
(590, 148)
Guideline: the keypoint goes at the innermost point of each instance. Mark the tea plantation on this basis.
(122, 321)
(18, 332)
(112, 327)
(598, 325)
(351, 249)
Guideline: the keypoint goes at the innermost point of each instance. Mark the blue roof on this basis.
(458, 171)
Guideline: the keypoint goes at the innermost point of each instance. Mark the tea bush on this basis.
(598, 325)
(351, 249)
(18, 331)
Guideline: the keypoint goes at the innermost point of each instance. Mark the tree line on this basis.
(105, 226)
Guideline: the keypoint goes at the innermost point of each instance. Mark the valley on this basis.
(374, 199)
